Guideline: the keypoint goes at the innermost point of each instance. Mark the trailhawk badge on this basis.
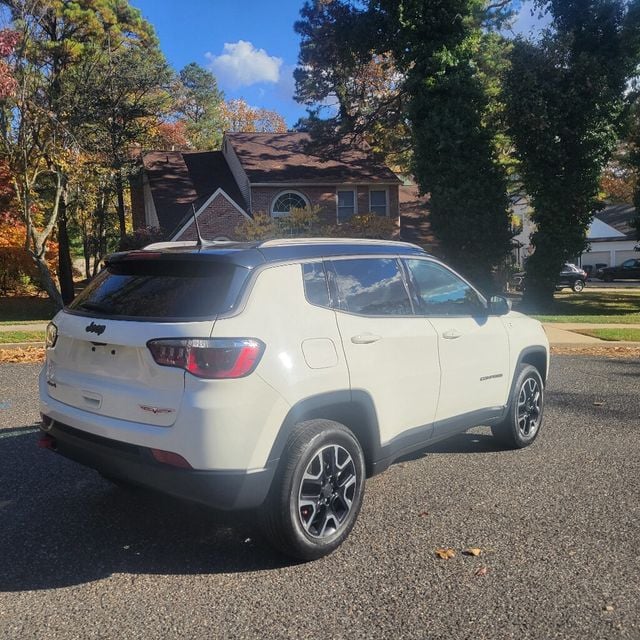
(156, 410)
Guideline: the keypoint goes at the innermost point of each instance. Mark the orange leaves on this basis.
(16, 265)
(446, 553)
(8, 40)
(237, 115)
(26, 355)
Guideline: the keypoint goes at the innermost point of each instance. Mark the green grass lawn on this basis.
(7, 337)
(23, 309)
(601, 306)
(631, 335)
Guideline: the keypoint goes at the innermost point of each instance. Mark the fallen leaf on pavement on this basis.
(422, 514)
(609, 608)
(482, 571)
(598, 404)
(445, 553)
(472, 551)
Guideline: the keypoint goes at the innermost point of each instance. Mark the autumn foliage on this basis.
(17, 268)
(237, 115)
(307, 223)
(8, 40)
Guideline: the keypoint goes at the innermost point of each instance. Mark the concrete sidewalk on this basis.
(563, 333)
(30, 326)
(559, 337)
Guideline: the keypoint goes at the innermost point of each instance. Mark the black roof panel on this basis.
(253, 254)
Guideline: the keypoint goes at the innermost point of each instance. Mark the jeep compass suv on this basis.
(277, 376)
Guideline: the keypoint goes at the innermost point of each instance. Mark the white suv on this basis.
(277, 376)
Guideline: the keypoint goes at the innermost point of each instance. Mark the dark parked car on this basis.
(628, 270)
(571, 277)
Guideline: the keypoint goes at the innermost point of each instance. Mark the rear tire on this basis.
(317, 492)
(578, 286)
(522, 423)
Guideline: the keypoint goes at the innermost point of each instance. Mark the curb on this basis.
(21, 345)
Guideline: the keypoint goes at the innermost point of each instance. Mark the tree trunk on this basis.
(543, 269)
(121, 211)
(65, 266)
(47, 282)
(86, 251)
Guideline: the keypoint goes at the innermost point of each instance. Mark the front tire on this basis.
(522, 424)
(578, 286)
(318, 491)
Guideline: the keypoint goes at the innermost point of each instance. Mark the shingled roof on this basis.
(619, 216)
(178, 179)
(284, 158)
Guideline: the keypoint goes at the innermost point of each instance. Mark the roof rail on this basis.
(284, 242)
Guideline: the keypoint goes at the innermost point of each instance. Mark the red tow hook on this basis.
(47, 442)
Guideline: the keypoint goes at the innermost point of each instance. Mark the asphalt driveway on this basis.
(558, 525)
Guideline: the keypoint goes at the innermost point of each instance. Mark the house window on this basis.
(346, 204)
(378, 201)
(286, 201)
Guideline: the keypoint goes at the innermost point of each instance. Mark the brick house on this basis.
(256, 173)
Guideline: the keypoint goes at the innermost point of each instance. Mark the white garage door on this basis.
(621, 256)
(595, 257)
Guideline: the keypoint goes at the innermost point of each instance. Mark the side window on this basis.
(378, 201)
(371, 286)
(629, 264)
(346, 204)
(315, 284)
(442, 293)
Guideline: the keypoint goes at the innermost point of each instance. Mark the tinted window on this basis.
(371, 286)
(315, 284)
(152, 289)
(442, 293)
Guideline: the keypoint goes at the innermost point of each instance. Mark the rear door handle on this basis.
(365, 338)
(451, 334)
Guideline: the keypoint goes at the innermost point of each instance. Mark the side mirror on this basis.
(499, 306)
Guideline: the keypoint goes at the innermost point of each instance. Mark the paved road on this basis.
(559, 525)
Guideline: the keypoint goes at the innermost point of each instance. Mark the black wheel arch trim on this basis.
(353, 409)
(532, 355)
(356, 411)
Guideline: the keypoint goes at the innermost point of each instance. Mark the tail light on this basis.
(212, 358)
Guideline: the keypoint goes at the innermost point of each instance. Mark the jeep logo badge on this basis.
(96, 328)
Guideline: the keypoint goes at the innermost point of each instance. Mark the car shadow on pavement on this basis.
(61, 525)
(468, 442)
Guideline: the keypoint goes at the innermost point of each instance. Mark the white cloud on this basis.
(240, 65)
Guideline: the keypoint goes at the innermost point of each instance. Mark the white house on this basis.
(611, 238)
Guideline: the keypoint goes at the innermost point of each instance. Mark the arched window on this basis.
(286, 201)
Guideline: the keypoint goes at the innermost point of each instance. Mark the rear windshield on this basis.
(162, 290)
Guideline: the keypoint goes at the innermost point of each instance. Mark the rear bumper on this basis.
(228, 489)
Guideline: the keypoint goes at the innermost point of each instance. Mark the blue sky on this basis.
(250, 45)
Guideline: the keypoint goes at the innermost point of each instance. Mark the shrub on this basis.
(141, 238)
